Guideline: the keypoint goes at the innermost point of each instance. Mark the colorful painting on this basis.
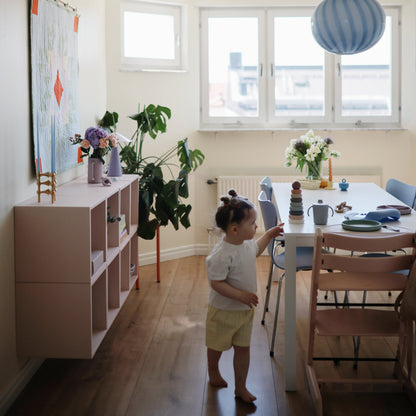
(54, 76)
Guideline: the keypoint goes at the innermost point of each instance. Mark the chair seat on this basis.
(357, 322)
(304, 258)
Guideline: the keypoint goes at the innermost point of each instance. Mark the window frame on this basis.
(231, 122)
(291, 120)
(394, 13)
(179, 13)
(266, 118)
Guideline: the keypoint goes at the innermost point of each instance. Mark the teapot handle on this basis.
(309, 209)
(331, 210)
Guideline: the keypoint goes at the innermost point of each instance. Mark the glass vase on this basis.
(313, 170)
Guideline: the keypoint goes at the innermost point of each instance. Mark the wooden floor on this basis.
(153, 361)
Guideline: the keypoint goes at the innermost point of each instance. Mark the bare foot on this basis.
(215, 379)
(245, 396)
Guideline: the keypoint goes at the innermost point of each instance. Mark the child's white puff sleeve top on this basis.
(236, 264)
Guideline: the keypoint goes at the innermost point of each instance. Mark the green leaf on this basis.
(183, 213)
(147, 230)
(189, 159)
(183, 185)
(170, 194)
(109, 121)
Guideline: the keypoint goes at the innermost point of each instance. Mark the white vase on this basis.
(95, 170)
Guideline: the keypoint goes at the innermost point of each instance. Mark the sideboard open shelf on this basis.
(74, 266)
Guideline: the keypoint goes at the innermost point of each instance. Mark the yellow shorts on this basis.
(227, 328)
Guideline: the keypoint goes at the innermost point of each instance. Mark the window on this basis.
(262, 68)
(152, 36)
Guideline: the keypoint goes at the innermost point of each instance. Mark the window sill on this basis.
(154, 70)
(275, 129)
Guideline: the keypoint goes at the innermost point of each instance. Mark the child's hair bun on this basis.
(232, 192)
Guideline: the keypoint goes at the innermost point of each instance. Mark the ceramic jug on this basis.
(320, 212)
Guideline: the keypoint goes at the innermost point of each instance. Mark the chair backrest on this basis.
(403, 191)
(358, 272)
(269, 214)
(266, 186)
(375, 243)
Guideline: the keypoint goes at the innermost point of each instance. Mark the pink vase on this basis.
(95, 170)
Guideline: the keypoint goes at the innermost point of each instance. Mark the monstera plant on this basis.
(163, 180)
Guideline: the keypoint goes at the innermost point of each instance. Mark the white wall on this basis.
(17, 179)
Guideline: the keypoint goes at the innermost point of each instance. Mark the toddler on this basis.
(231, 270)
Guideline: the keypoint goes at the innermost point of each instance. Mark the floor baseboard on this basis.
(174, 253)
(19, 383)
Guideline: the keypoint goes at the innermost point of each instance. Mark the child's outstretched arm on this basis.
(264, 240)
(225, 289)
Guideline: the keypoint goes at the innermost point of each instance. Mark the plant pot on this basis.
(95, 170)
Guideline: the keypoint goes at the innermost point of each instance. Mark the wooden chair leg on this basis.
(314, 390)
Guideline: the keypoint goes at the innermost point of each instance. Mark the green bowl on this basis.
(361, 225)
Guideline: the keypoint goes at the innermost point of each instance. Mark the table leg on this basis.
(290, 313)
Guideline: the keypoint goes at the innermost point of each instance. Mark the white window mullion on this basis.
(263, 70)
(396, 65)
(270, 98)
(337, 87)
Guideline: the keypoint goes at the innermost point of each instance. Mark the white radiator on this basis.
(248, 186)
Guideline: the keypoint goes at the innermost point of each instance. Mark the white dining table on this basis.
(362, 197)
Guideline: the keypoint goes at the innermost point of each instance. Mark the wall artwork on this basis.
(54, 76)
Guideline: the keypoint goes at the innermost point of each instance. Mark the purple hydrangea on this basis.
(94, 134)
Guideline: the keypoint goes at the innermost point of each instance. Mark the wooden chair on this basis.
(356, 273)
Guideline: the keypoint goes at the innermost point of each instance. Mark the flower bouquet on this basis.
(309, 150)
(99, 141)
(95, 139)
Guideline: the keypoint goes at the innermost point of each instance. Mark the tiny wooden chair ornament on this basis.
(51, 183)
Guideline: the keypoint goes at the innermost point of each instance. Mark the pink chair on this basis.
(355, 273)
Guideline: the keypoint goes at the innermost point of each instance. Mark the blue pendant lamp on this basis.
(346, 27)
